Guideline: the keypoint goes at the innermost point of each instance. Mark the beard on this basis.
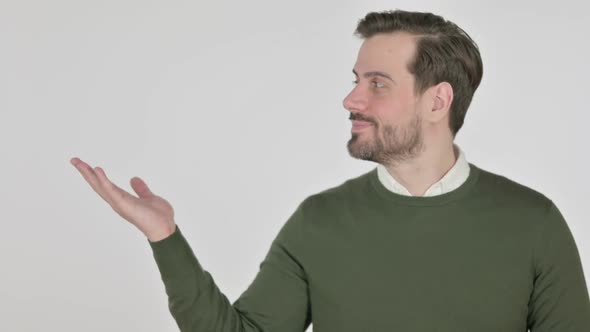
(396, 145)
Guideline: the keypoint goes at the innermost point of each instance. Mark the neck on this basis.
(419, 173)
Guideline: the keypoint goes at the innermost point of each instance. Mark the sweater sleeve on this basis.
(559, 301)
(276, 300)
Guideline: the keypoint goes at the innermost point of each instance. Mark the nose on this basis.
(355, 101)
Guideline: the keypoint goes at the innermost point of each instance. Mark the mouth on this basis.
(358, 125)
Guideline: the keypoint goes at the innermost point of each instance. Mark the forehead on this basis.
(386, 52)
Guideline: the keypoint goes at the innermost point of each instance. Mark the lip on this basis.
(360, 125)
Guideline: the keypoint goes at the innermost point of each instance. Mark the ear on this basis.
(442, 94)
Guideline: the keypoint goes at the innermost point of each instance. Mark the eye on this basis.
(377, 82)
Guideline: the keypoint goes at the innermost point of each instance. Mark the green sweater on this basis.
(491, 255)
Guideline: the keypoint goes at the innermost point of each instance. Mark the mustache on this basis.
(360, 117)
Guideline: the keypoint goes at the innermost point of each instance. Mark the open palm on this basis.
(150, 213)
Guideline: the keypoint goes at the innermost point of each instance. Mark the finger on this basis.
(140, 187)
(117, 196)
(87, 173)
(97, 179)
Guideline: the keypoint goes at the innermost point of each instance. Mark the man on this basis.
(426, 241)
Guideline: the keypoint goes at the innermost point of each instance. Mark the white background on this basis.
(232, 111)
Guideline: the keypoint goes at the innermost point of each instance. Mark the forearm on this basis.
(276, 300)
(194, 300)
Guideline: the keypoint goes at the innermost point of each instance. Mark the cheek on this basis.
(392, 111)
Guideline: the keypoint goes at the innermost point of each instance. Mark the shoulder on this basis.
(318, 210)
(340, 195)
(507, 192)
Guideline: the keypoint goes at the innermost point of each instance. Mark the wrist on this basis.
(161, 234)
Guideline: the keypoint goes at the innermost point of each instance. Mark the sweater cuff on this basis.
(174, 256)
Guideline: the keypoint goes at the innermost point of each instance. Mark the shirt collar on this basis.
(450, 181)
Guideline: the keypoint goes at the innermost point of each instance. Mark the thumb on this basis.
(140, 187)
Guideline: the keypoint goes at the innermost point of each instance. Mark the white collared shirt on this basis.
(450, 181)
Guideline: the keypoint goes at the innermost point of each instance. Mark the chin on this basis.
(360, 150)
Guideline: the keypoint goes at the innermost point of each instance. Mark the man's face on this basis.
(387, 111)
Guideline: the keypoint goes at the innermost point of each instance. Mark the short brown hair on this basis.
(445, 53)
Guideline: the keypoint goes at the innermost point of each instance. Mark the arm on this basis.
(276, 300)
(559, 301)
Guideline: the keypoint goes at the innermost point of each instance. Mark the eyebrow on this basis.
(375, 73)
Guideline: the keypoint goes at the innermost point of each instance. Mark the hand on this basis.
(150, 213)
